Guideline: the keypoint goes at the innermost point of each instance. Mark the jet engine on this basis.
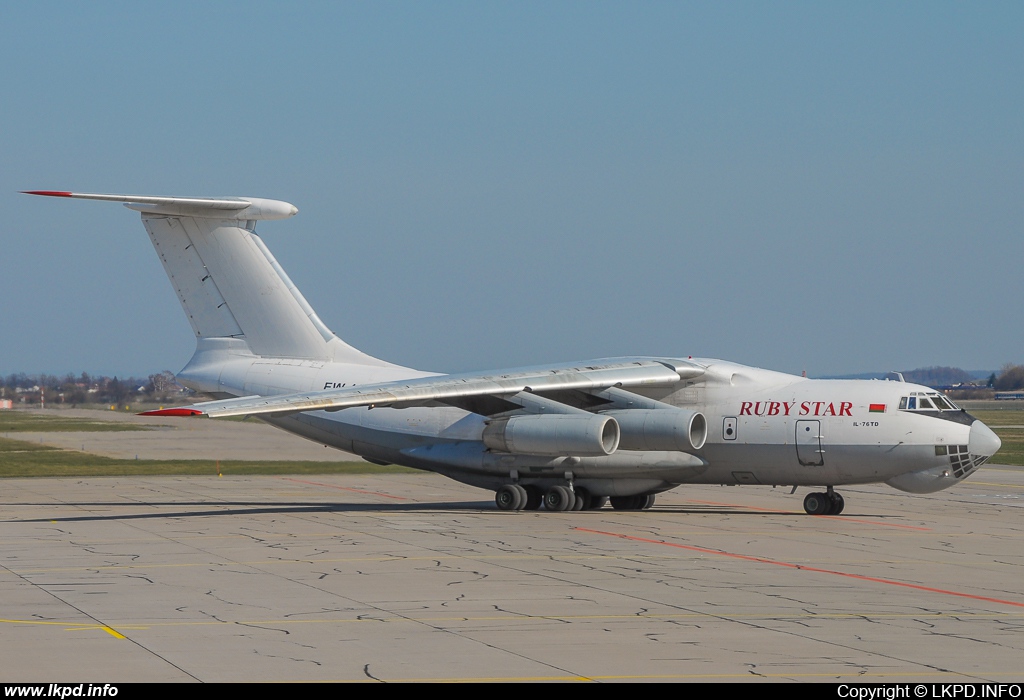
(553, 435)
(662, 429)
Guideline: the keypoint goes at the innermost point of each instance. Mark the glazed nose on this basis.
(982, 441)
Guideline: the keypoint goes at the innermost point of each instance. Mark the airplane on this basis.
(572, 436)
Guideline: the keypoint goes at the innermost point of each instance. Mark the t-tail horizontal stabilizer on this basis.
(236, 208)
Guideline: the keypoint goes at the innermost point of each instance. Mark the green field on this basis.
(1012, 451)
(54, 422)
(19, 459)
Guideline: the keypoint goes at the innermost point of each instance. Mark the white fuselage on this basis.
(569, 435)
(764, 427)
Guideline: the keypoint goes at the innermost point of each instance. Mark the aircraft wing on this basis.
(415, 392)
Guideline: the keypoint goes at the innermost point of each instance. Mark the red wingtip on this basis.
(173, 412)
(47, 193)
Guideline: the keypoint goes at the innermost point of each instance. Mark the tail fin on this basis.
(228, 283)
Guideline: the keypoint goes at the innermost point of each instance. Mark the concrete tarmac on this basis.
(417, 578)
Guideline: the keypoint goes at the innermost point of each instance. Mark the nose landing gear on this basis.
(829, 503)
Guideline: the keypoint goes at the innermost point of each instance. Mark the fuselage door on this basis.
(808, 443)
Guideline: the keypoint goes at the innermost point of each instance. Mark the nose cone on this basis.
(982, 440)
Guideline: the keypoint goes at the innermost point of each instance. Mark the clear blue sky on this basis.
(837, 187)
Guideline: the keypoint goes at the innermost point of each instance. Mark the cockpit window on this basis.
(920, 401)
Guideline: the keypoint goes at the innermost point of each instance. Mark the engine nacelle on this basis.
(553, 435)
(660, 429)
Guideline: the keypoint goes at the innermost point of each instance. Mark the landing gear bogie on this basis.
(643, 501)
(559, 498)
(562, 498)
(516, 497)
(510, 497)
(819, 503)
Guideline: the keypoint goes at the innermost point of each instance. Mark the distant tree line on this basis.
(73, 390)
(1011, 378)
(960, 385)
(937, 376)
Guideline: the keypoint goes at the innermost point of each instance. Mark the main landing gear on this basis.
(830, 503)
(516, 497)
(563, 498)
(642, 502)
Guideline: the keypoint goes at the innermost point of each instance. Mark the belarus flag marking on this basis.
(876, 408)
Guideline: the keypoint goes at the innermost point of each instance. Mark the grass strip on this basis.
(20, 422)
(1012, 451)
(23, 446)
(994, 419)
(25, 459)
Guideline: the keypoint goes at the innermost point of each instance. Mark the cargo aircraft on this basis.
(566, 436)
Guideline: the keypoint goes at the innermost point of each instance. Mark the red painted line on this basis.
(801, 567)
(837, 517)
(345, 488)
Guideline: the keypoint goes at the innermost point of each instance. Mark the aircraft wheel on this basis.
(648, 501)
(523, 497)
(838, 503)
(627, 502)
(559, 498)
(582, 500)
(817, 504)
(508, 498)
(534, 497)
(597, 502)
